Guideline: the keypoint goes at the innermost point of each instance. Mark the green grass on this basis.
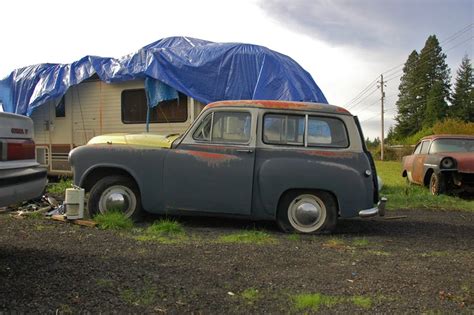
(36, 215)
(59, 188)
(362, 301)
(336, 243)
(250, 295)
(315, 301)
(145, 296)
(436, 254)
(165, 226)
(164, 231)
(294, 237)
(408, 196)
(113, 220)
(360, 242)
(247, 237)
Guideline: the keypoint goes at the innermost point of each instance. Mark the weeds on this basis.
(164, 231)
(247, 237)
(294, 237)
(335, 243)
(250, 295)
(360, 242)
(316, 300)
(142, 297)
(113, 220)
(60, 187)
(362, 301)
(35, 215)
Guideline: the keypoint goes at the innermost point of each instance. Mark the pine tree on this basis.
(432, 70)
(463, 97)
(406, 122)
(436, 106)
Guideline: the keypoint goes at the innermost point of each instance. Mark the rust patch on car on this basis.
(342, 110)
(211, 158)
(268, 104)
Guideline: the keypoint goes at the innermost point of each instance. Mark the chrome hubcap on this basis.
(118, 198)
(306, 213)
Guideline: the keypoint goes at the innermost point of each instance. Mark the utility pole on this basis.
(382, 98)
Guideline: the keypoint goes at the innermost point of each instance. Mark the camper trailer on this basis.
(94, 107)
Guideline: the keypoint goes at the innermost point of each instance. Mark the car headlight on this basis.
(447, 163)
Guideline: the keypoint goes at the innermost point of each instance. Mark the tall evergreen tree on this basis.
(436, 106)
(432, 70)
(463, 96)
(406, 122)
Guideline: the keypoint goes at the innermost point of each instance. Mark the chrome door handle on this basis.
(245, 151)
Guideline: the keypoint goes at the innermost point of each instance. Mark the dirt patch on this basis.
(423, 263)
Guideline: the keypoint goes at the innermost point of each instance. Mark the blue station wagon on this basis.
(303, 165)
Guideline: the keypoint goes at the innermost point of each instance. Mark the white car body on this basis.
(21, 177)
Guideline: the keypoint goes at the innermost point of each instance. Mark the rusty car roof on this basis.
(447, 136)
(272, 104)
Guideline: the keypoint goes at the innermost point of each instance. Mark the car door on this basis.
(419, 161)
(211, 170)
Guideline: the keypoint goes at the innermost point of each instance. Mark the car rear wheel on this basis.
(307, 212)
(437, 184)
(115, 193)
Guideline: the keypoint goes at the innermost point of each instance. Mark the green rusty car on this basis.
(303, 165)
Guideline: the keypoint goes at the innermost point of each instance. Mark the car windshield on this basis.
(452, 145)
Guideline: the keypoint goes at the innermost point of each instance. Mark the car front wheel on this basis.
(307, 212)
(115, 193)
(437, 184)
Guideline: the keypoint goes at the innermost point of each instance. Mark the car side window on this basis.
(227, 127)
(203, 132)
(283, 129)
(425, 145)
(417, 149)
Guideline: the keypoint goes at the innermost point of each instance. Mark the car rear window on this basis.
(290, 130)
(326, 131)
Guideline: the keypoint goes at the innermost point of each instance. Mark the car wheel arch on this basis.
(95, 174)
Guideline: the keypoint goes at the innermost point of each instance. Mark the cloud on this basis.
(371, 24)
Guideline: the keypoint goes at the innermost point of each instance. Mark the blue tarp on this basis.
(201, 69)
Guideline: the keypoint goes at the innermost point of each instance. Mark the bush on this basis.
(453, 126)
(393, 153)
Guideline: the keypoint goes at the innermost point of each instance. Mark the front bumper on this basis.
(378, 210)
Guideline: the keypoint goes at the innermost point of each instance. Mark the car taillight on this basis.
(17, 149)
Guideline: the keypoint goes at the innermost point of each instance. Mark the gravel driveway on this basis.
(421, 263)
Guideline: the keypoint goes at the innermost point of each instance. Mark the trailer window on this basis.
(134, 108)
(61, 108)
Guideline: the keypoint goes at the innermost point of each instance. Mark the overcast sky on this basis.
(345, 45)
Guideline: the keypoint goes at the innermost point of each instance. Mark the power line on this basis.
(419, 85)
(362, 99)
(361, 93)
(400, 72)
(444, 41)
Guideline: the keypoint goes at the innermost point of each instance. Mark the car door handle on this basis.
(245, 151)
